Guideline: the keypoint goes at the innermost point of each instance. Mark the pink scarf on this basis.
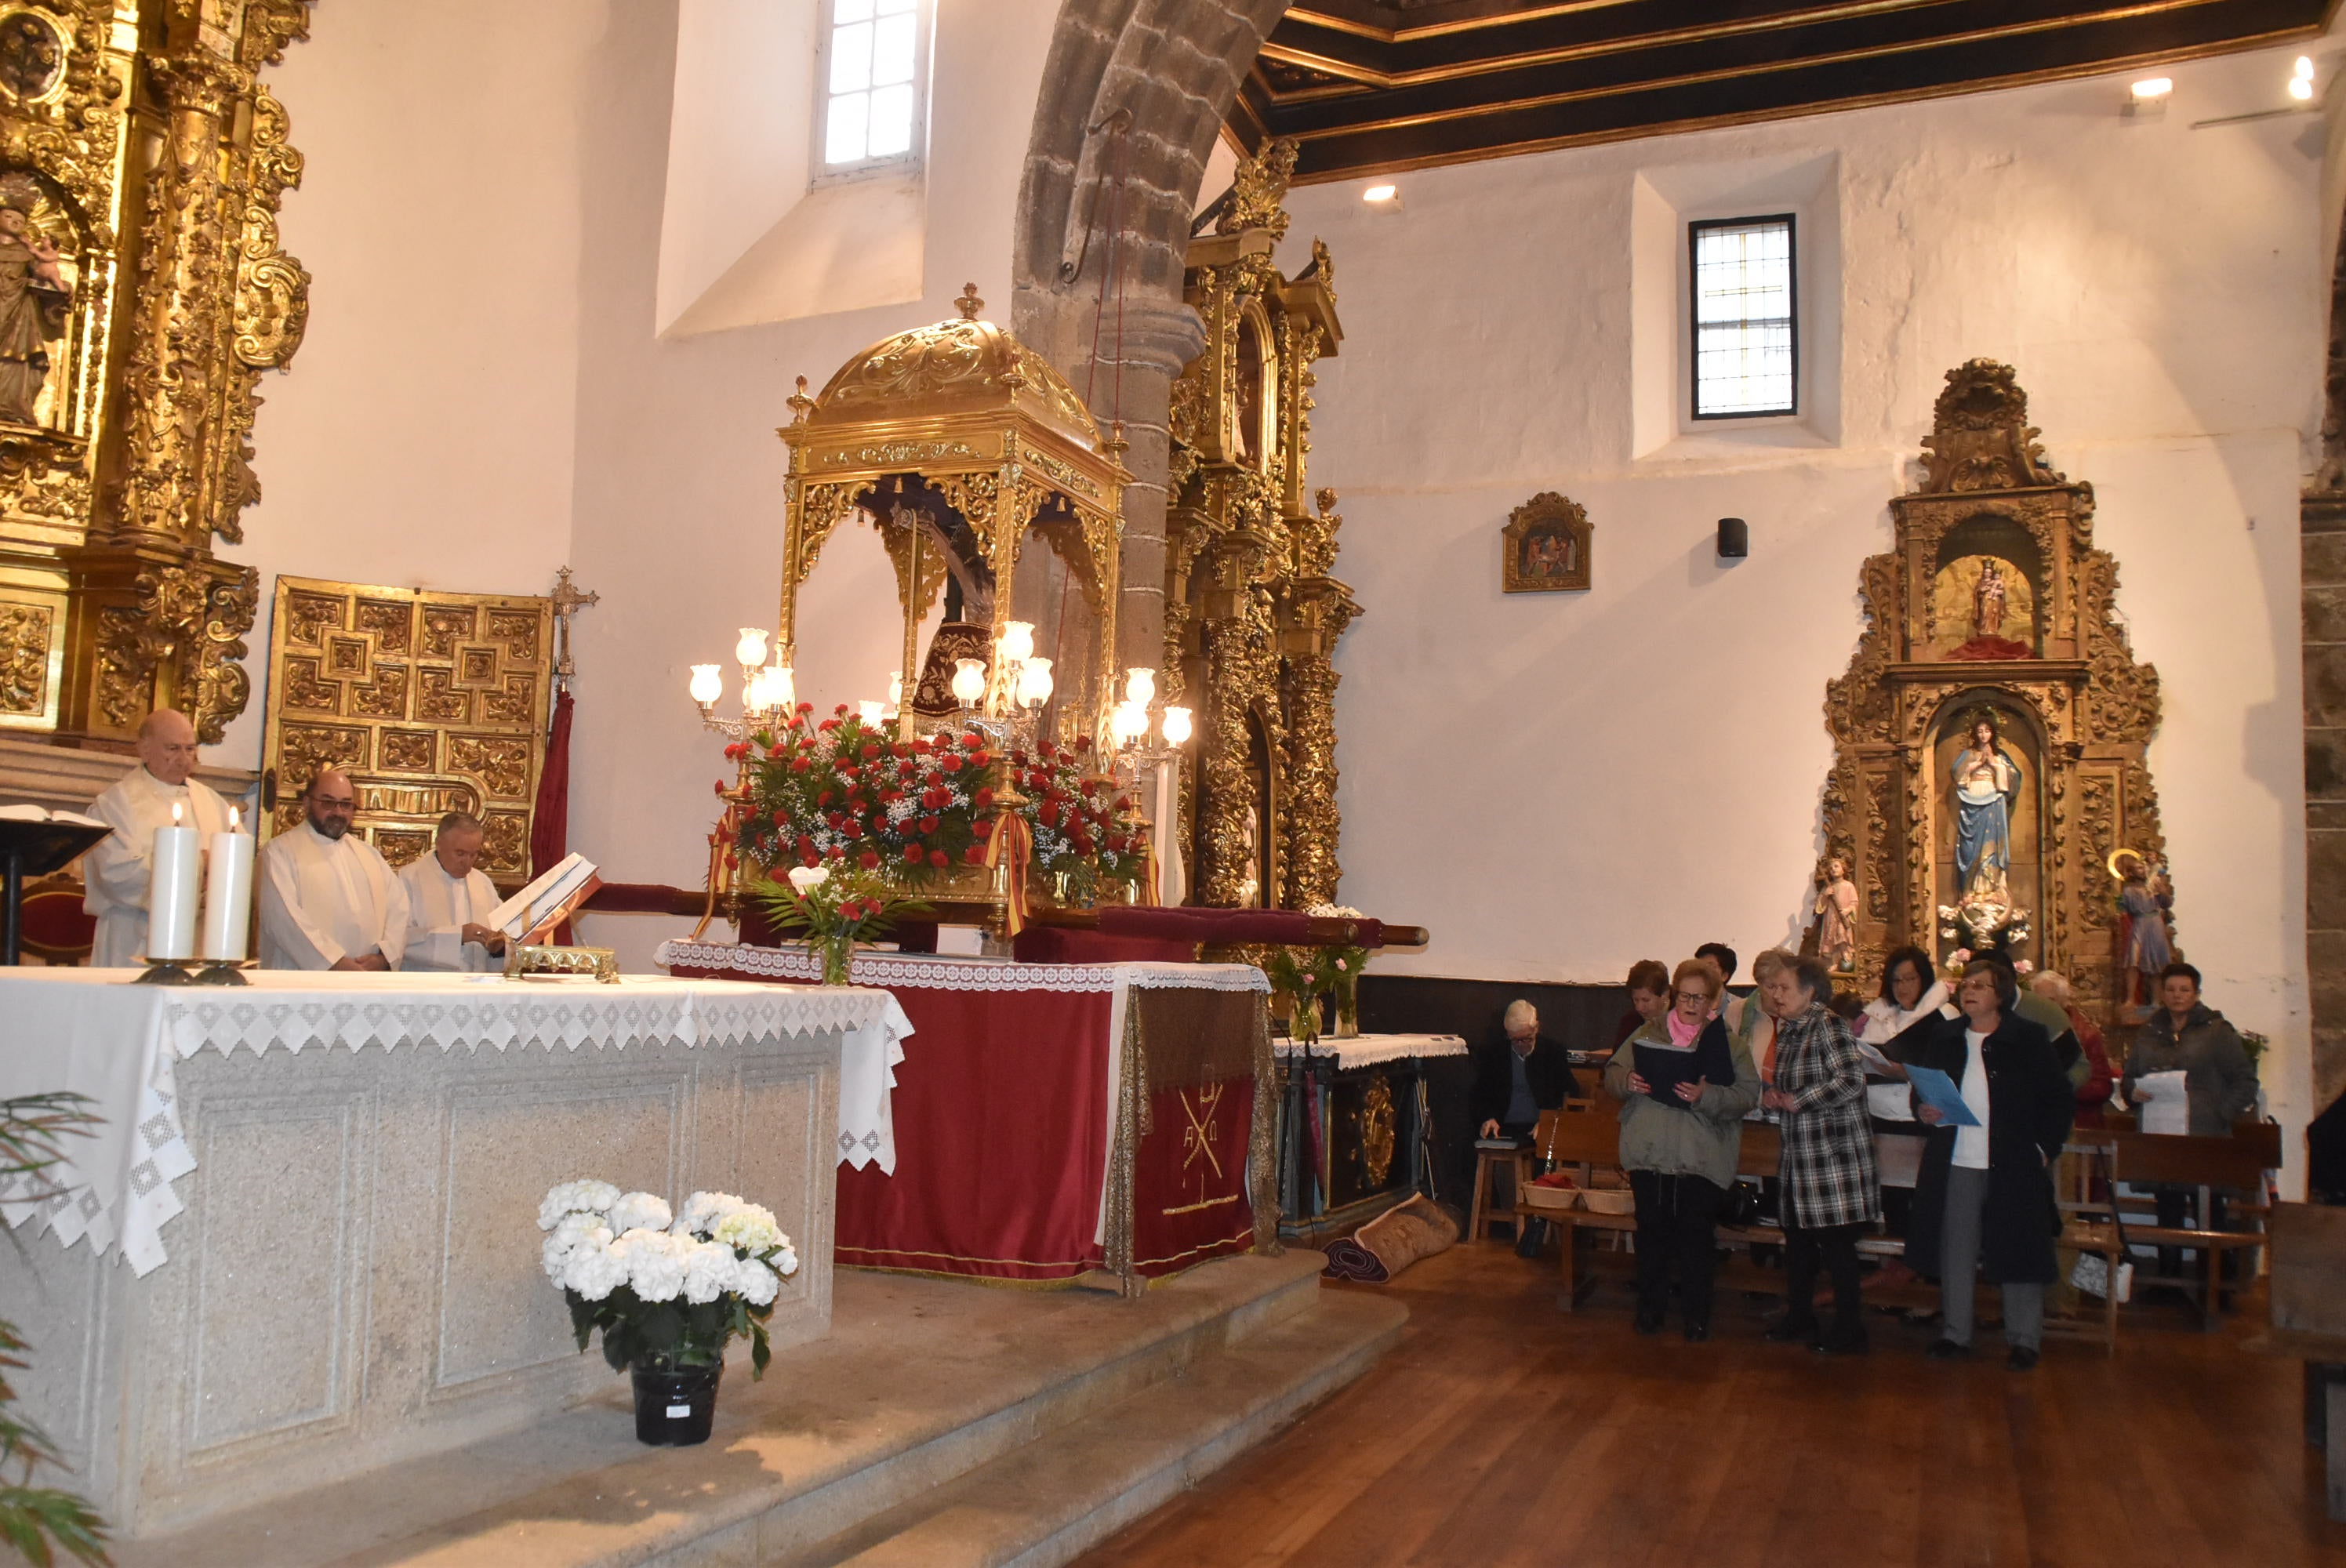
(1683, 1035)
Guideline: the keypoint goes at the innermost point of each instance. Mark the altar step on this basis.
(942, 1424)
(1063, 1494)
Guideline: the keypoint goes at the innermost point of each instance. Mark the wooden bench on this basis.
(2235, 1165)
(2307, 1305)
(1588, 1143)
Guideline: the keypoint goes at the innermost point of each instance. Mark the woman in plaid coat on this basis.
(1831, 1192)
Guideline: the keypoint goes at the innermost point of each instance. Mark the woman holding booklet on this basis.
(1999, 1106)
(1684, 1087)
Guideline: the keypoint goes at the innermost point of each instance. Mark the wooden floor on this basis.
(1501, 1432)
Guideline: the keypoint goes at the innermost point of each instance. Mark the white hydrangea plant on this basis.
(667, 1288)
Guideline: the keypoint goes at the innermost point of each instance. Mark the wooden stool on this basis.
(1481, 1216)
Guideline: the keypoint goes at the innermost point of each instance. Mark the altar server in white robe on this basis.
(328, 900)
(117, 872)
(447, 899)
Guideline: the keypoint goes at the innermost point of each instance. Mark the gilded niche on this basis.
(142, 293)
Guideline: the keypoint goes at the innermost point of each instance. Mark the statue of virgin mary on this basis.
(1986, 780)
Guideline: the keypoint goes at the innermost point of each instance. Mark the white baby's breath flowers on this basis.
(640, 1211)
(576, 1197)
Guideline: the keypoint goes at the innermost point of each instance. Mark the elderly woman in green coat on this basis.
(1684, 1088)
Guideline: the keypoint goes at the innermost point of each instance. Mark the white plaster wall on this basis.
(1628, 772)
(679, 474)
(424, 435)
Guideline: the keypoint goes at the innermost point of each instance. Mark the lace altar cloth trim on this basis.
(1372, 1050)
(90, 1032)
(491, 1010)
(931, 972)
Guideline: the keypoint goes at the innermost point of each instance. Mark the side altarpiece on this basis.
(1989, 786)
(1253, 609)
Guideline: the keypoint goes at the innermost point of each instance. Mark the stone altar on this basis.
(352, 1275)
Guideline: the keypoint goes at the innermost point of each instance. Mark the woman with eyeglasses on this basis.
(1684, 1086)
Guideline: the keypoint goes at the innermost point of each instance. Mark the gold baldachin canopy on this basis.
(952, 368)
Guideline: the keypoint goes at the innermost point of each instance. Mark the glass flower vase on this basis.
(836, 957)
(1303, 1019)
(1348, 1011)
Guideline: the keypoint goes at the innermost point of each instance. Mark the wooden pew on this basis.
(2308, 1308)
(2235, 1165)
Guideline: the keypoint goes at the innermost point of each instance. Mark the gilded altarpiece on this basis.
(1991, 731)
(142, 292)
(431, 702)
(1252, 610)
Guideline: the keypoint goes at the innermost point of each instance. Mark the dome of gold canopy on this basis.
(955, 369)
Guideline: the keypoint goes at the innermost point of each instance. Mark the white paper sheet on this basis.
(2166, 1104)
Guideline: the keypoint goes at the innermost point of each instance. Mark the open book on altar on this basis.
(28, 813)
(547, 902)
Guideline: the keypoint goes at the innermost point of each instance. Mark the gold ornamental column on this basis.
(209, 302)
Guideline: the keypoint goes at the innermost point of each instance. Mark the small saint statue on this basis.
(1836, 915)
(1988, 596)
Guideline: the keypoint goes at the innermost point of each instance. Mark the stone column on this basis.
(2323, 547)
(1159, 341)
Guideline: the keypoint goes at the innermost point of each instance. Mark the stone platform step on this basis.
(1063, 1494)
(920, 1383)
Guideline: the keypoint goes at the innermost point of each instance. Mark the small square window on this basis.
(872, 60)
(1746, 360)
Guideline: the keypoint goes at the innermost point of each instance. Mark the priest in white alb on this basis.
(117, 871)
(447, 900)
(328, 900)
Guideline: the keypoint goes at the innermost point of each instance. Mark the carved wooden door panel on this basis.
(431, 702)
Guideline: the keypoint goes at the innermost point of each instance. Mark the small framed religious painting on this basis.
(1545, 548)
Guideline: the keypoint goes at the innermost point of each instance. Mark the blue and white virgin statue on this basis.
(1986, 782)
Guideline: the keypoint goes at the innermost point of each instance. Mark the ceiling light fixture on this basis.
(1378, 195)
(2300, 79)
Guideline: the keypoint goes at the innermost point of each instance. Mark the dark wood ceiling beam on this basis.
(1638, 24)
(1785, 90)
(2032, 36)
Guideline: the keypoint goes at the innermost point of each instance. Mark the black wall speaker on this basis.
(1734, 539)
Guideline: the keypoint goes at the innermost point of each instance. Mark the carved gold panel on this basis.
(432, 702)
(142, 293)
(32, 608)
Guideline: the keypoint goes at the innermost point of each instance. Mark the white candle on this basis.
(228, 893)
(172, 887)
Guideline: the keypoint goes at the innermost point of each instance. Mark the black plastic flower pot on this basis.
(675, 1407)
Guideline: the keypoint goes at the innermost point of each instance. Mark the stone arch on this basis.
(1141, 86)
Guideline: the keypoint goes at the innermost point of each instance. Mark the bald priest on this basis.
(447, 899)
(328, 900)
(134, 806)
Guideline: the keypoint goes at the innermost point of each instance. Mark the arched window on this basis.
(870, 109)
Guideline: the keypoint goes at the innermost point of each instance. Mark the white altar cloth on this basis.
(94, 1034)
(1372, 1050)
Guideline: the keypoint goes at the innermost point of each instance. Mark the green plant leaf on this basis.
(761, 1352)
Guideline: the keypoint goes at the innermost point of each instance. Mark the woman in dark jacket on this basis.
(1831, 1191)
(1983, 1205)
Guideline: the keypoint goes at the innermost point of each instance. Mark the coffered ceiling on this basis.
(1374, 86)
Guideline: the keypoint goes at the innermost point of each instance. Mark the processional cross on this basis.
(567, 602)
